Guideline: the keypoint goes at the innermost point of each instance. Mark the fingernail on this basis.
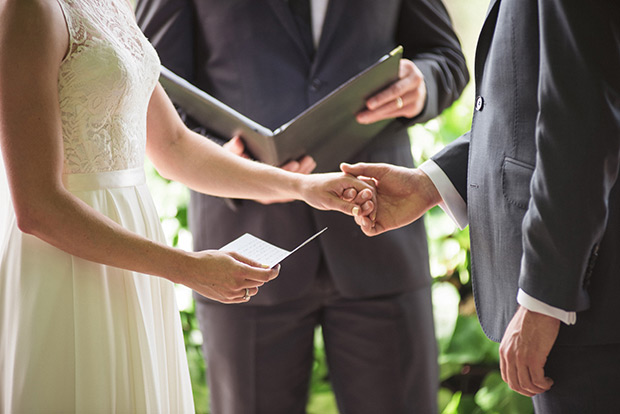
(264, 266)
(366, 195)
(356, 211)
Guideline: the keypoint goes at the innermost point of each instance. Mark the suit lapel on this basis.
(283, 12)
(486, 37)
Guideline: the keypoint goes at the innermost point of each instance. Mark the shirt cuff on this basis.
(452, 203)
(533, 304)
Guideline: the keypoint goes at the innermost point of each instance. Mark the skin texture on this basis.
(403, 195)
(410, 88)
(524, 349)
(305, 165)
(33, 42)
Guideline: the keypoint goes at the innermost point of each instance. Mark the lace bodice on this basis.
(105, 83)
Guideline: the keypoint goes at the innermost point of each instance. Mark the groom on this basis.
(537, 180)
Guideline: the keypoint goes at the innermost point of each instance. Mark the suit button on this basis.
(479, 103)
(315, 85)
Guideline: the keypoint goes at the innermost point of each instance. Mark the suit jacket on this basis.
(250, 55)
(539, 168)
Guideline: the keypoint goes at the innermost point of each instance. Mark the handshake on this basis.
(381, 197)
(399, 196)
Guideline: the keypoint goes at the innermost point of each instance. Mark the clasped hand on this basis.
(402, 195)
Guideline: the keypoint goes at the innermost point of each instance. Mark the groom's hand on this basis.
(523, 352)
(402, 195)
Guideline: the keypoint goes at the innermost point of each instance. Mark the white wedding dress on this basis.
(77, 336)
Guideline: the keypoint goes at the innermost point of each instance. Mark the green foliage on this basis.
(469, 369)
(197, 369)
(495, 397)
(321, 399)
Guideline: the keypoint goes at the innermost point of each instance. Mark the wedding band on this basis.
(247, 294)
(399, 102)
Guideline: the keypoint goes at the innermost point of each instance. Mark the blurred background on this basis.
(470, 378)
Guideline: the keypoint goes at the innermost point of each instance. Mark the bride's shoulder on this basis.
(37, 8)
(33, 25)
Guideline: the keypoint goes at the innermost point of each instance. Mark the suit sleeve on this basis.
(453, 161)
(426, 33)
(578, 149)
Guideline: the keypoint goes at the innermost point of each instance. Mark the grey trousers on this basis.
(586, 380)
(381, 353)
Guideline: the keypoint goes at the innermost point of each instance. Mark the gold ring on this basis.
(399, 102)
(247, 294)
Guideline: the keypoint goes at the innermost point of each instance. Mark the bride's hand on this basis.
(340, 192)
(226, 277)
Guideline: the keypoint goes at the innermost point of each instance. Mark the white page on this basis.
(260, 251)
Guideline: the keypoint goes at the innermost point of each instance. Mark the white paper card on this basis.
(260, 251)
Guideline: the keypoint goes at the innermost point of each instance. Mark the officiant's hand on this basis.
(305, 165)
(404, 98)
(226, 277)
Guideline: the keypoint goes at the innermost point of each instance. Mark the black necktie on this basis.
(303, 18)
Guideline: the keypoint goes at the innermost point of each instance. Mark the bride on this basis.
(88, 319)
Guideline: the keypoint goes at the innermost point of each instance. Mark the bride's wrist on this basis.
(180, 265)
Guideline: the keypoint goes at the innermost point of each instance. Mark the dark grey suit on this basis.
(249, 54)
(541, 166)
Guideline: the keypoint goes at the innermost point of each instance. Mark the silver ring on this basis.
(399, 102)
(246, 296)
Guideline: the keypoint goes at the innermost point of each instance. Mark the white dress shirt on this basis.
(319, 8)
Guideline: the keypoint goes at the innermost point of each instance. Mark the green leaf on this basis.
(495, 396)
(446, 300)
(469, 345)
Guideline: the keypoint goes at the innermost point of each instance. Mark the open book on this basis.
(328, 130)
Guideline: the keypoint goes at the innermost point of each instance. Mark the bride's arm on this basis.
(33, 41)
(182, 155)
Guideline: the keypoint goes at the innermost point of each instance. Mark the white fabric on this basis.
(454, 206)
(4, 204)
(533, 304)
(77, 336)
(452, 202)
(105, 83)
(319, 8)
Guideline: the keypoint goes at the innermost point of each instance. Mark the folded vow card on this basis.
(260, 251)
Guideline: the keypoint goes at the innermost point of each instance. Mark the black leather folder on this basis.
(328, 130)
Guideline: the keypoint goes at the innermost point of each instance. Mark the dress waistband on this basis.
(108, 179)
